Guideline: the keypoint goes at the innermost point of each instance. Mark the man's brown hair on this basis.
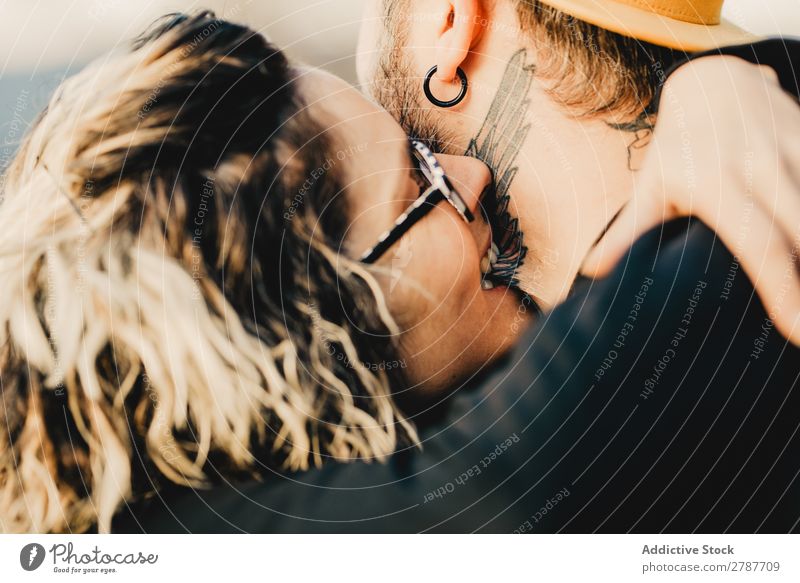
(593, 71)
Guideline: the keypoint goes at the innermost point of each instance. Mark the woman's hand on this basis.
(726, 149)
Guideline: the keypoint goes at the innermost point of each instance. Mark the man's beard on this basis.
(398, 91)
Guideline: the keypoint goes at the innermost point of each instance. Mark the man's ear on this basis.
(459, 29)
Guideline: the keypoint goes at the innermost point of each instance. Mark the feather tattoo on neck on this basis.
(498, 144)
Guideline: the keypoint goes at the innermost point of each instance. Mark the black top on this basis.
(658, 399)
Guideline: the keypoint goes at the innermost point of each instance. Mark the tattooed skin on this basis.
(498, 144)
(501, 136)
(642, 129)
(500, 140)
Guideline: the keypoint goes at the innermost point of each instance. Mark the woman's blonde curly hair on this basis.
(172, 311)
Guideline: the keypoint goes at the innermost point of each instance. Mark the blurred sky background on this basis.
(43, 39)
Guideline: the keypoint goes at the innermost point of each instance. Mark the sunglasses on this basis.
(436, 188)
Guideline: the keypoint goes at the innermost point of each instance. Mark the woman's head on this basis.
(451, 321)
(183, 299)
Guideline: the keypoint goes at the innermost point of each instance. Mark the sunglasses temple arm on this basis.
(413, 214)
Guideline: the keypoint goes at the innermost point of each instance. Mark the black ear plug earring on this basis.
(426, 86)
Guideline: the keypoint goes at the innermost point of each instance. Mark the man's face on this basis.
(557, 172)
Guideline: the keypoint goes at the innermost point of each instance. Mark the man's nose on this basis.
(469, 177)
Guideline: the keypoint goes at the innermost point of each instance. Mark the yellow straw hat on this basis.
(689, 25)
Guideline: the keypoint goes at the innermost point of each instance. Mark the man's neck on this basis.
(567, 177)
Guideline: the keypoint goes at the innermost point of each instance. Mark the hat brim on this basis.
(654, 28)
